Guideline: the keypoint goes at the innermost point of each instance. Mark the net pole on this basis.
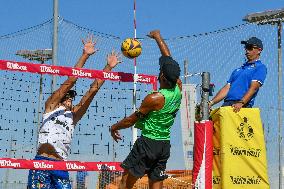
(205, 95)
(55, 41)
(279, 24)
(185, 64)
(134, 130)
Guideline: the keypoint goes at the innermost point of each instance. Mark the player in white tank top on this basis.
(60, 118)
(57, 129)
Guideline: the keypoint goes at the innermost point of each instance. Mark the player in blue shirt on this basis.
(245, 81)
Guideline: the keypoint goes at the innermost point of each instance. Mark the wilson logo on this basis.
(81, 73)
(111, 76)
(102, 167)
(5, 163)
(47, 69)
(42, 165)
(74, 166)
(16, 66)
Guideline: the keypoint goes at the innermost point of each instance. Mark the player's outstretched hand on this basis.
(154, 34)
(114, 58)
(89, 45)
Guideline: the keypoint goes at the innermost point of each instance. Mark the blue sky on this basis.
(173, 18)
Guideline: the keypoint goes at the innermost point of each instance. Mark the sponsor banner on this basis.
(59, 165)
(243, 151)
(76, 72)
(187, 115)
(216, 179)
(203, 147)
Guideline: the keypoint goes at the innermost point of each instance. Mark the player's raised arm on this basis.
(80, 109)
(155, 34)
(57, 96)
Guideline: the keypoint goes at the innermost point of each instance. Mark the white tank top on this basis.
(57, 129)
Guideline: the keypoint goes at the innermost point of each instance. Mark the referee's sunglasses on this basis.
(250, 47)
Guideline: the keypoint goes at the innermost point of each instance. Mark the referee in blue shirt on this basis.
(245, 81)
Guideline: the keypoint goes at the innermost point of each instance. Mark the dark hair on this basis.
(69, 94)
(170, 69)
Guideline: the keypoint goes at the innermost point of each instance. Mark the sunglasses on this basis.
(250, 47)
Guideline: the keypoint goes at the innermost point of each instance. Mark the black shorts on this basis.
(149, 157)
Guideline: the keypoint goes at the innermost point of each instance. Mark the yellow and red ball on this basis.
(131, 48)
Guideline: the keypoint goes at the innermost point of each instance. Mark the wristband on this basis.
(108, 66)
(139, 114)
(210, 102)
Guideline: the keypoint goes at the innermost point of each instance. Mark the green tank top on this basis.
(157, 124)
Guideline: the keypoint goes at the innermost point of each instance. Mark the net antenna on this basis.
(274, 17)
(134, 130)
(41, 55)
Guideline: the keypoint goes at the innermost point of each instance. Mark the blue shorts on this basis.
(46, 179)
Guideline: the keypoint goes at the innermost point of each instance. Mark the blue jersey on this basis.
(241, 78)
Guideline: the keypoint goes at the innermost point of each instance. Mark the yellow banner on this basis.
(216, 151)
(242, 162)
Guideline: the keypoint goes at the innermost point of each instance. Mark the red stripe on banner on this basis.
(209, 154)
(59, 165)
(76, 72)
(203, 153)
(199, 139)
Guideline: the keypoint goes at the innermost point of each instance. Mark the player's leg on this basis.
(155, 184)
(127, 180)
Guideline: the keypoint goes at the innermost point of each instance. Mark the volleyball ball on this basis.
(131, 48)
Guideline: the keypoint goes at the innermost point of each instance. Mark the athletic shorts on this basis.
(46, 179)
(149, 157)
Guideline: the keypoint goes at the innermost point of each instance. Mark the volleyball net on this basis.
(22, 103)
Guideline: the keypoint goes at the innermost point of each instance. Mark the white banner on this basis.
(187, 112)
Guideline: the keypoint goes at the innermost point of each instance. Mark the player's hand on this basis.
(89, 45)
(113, 59)
(154, 34)
(237, 106)
(115, 134)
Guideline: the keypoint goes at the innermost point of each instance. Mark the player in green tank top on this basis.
(154, 117)
(157, 124)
